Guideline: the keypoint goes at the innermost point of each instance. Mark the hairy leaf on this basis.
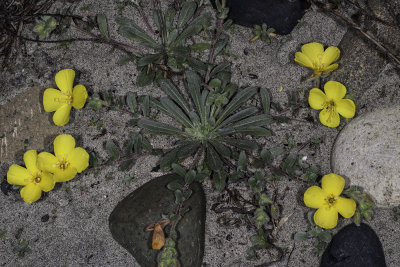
(178, 169)
(132, 31)
(148, 59)
(158, 128)
(112, 150)
(265, 100)
(220, 67)
(239, 116)
(213, 159)
(102, 24)
(219, 180)
(168, 159)
(145, 78)
(190, 176)
(131, 101)
(186, 13)
(193, 84)
(170, 89)
(221, 149)
(194, 27)
(146, 106)
(236, 102)
(175, 111)
(259, 120)
(187, 148)
(127, 165)
(254, 130)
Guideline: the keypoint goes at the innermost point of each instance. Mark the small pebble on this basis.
(45, 218)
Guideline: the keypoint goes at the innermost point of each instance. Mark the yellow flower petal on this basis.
(330, 55)
(64, 175)
(330, 68)
(65, 80)
(51, 99)
(332, 184)
(47, 162)
(30, 158)
(303, 60)
(64, 144)
(316, 98)
(329, 118)
(61, 116)
(346, 207)
(334, 90)
(314, 197)
(31, 193)
(47, 182)
(79, 96)
(18, 175)
(79, 159)
(345, 107)
(313, 50)
(326, 217)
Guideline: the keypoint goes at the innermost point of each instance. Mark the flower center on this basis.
(36, 177)
(62, 163)
(331, 200)
(330, 107)
(66, 98)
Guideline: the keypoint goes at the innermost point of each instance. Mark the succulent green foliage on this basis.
(21, 247)
(322, 236)
(169, 49)
(45, 26)
(169, 255)
(218, 116)
(365, 204)
(259, 241)
(262, 32)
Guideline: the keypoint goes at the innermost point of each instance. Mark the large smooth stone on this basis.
(354, 246)
(282, 15)
(145, 206)
(367, 151)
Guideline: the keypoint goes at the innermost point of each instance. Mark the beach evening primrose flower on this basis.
(67, 161)
(328, 201)
(313, 56)
(32, 178)
(331, 103)
(61, 101)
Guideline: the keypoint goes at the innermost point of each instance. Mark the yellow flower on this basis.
(32, 178)
(332, 103)
(313, 56)
(68, 160)
(328, 201)
(62, 100)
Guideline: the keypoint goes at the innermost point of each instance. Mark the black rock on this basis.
(282, 15)
(145, 206)
(354, 246)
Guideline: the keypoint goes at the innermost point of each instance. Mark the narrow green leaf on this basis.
(148, 59)
(242, 161)
(201, 177)
(187, 148)
(194, 27)
(169, 88)
(221, 43)
(265, 100)
(236, 102)
(146, 106)
(221, 149)
(254, 131)
(131, 101)
(112, 150)
(168, 159)
(175, 111)
(239, 116)
(186, 195)
(258, 120)
(193, 84)
(178, 169)
(102, 24)
(289, 162)
(213, 159)
(219, 180)
(132, 31)
(145, 78)
(175, 185)
(266, 156)
(197, 65)
(159, 128)
(127, 165)
(171, 37)
(190, 176)
(186, 13)
(169, 19)
(179, 196)
(220, 67)
(241, 144)
(154, 103)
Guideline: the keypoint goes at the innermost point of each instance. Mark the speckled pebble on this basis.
(367, 151)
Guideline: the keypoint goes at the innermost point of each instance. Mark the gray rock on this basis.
(367, 151)
(145, 206)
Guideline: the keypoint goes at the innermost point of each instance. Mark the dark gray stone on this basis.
(354, 246)
(145, 206)
(282, 15)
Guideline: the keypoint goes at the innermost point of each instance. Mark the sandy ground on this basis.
(77, 234)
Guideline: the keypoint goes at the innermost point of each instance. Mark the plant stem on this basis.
(122, 159)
